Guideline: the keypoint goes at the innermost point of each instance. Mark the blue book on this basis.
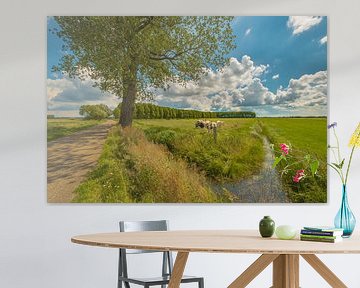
(322, 231)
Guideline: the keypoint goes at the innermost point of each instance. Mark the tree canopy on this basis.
(97, 112)
(132, 56)
(151, 111)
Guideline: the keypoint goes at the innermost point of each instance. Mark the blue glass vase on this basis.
(345, 219)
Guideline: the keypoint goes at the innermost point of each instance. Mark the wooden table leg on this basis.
(286, 271)
(324, 271)
(178, 269)
(253, 270)
(293, 264)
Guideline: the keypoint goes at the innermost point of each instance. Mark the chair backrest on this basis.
(134, 226)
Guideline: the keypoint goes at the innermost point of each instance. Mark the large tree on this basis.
(132, 56)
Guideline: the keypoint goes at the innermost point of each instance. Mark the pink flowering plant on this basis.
(294, 163)
(300, 174)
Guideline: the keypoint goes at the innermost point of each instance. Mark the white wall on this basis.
(35, 248)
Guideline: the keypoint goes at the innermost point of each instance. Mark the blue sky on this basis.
(54, 44)
(278, 68)
(271, 41)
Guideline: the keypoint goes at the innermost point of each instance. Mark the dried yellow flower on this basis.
(355, 138)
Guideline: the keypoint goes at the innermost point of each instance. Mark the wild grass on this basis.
(108, 182)
(159, 177)
(57, 128)
(132, 169)
(171, 161)
(237, 154)
(306, 136)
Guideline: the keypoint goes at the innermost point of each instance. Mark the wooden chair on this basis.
(167, 262)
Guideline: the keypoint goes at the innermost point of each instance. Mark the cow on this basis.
(208, 124)
(200, 124)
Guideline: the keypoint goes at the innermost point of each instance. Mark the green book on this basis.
(319, 236)
(325, 240)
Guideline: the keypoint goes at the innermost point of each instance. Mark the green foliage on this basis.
(109, 182)
(60, 127)
(151, 111)
(96, 112)
(237, 154)
(127, 56)
(160, 136)
(314, 167)
(131, 169)
(173, 165)
(116, 113)
(308, 138)
(278, 159)
(238, 114)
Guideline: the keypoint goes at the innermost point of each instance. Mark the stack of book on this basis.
(321, 234)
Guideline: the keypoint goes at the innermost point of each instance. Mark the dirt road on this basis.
(70, 158)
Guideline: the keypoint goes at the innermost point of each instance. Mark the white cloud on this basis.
(276, 76)
(65, 96)
(323, 40)
(300, 24)
(248, 31)
(308, 90)
(227, 89)
(238, 86)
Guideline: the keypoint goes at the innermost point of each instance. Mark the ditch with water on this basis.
(264, 187)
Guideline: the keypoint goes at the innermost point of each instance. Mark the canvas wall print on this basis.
(190, 109)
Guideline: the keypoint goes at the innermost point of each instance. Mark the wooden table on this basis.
(284, 254)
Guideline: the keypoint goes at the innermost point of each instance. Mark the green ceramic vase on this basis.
(266, 227)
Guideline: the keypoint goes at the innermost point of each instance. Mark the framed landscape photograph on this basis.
(187, 109)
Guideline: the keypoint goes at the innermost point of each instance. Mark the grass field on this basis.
(57, 128)
(172, 161)
(306, 136)
(237, 153)
(132, 169)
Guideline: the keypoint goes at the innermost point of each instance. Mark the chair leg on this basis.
(201, 283)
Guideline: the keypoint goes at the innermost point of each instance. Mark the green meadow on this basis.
(60, 127)
(132, 169)
(172, 161)
(306, 136)
(237, 153)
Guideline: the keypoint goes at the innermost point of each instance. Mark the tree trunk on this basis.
(128, 103)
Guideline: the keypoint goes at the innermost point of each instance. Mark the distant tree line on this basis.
(151, 111)
(239, 114)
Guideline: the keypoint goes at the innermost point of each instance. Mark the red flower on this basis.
(284, 148)
(300, 174)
